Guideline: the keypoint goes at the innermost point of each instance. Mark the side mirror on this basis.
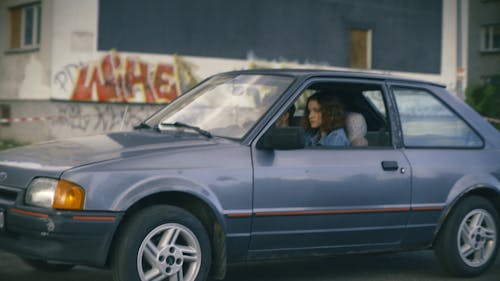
(283, 139)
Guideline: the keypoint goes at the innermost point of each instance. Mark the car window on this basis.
(365, 121)
(427, 122)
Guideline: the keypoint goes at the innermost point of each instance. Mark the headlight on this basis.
(57, 194)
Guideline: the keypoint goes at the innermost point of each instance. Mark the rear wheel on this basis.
(47, 266)
(162, 243)
(468, 243)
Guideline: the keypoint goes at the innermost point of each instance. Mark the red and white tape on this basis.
(62, 117)
(34, 119)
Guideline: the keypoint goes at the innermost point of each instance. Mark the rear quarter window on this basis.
(427, 122)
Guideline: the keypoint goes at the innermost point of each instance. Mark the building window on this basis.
(360, 48)
(25, 26)
(490, 38)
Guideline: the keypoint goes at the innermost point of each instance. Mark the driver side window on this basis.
(340, 115)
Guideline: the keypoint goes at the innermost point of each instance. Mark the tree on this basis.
(485, 99)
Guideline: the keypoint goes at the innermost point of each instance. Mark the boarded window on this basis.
(360, 48)
(15, 28)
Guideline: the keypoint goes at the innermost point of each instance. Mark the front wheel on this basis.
(162, 243)
(468, 243)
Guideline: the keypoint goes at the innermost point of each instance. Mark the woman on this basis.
(324, 121)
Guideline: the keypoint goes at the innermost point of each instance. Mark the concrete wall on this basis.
(61, 119)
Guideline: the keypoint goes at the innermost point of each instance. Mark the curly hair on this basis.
(332, 112)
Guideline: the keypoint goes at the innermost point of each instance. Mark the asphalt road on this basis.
(411, 266)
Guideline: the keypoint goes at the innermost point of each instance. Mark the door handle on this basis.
(390, 165)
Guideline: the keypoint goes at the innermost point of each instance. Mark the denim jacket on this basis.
(334, 138)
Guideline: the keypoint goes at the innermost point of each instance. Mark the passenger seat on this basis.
(355, 125)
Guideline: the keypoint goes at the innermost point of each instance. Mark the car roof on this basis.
(308, 73)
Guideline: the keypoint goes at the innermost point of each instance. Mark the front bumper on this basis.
(60, 236)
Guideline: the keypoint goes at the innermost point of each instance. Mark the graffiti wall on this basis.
(46, 120)
(92, 118)
(124, 78)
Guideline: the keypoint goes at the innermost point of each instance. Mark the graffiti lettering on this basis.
(98, 118)
(65, 78)
(117, 79)
(75, 119)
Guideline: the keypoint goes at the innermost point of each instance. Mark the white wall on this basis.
(75, 37)
(448, 44)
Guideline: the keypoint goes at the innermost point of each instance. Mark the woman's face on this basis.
(314, 114)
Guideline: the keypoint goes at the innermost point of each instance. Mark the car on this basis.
(211, 180)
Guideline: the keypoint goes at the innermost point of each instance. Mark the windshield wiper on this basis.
(142, 125)
(184, 125)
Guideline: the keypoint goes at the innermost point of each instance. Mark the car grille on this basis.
(7, 195)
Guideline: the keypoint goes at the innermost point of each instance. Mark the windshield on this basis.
(226, 106)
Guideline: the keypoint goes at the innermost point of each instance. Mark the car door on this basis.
(326, 199)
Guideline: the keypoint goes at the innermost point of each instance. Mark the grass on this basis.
(9, 143)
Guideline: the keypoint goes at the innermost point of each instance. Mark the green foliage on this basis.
(9, 143)
(485, 99)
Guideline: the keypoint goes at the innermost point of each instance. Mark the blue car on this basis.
(361, 163)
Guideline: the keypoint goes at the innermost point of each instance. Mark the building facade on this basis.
(71, 68)
(484, 42)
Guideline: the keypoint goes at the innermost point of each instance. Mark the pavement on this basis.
(408, 266)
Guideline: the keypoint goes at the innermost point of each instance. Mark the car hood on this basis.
(19, 166)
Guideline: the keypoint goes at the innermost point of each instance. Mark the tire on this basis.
(467, 244)
(162, 241)
(46, 266)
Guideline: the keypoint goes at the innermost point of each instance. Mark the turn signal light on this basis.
(68, 196)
